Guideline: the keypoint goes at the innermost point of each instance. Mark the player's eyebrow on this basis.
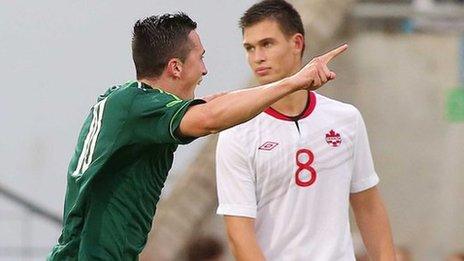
(203, 53)
(268, 39)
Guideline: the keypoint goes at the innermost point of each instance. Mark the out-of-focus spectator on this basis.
(456, 257)
(205, 248)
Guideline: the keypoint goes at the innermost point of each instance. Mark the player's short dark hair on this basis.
(157, 39)
(286, 16)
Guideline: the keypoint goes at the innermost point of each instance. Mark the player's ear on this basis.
(298, 43)
(174, 68)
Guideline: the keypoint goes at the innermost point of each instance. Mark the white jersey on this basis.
(295, 176)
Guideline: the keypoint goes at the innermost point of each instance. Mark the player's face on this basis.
(193, 68)
(271, 54)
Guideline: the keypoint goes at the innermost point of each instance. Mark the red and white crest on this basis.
(333, 139)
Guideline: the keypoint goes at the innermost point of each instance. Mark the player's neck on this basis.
(163, 84)
(293, 104)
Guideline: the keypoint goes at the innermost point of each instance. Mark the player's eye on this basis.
(249, 48)
(267, 44)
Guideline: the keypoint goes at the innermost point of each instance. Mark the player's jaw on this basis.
(200, 80)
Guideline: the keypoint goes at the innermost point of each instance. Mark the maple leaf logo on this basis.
(333, 139)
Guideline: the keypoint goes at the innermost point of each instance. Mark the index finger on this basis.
(327, 57)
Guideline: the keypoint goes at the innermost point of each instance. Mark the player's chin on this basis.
(266, 79)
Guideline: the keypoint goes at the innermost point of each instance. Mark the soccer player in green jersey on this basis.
(126, 144)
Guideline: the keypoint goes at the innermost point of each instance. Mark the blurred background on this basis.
(404, 71)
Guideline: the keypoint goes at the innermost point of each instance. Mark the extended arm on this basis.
(239, 106)
(371, 217)
(232, 108)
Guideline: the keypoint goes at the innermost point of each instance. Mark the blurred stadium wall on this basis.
(399, 80)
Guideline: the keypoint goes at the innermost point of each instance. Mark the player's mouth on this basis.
(262, 71)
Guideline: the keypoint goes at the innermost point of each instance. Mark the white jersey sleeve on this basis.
(234, 177)
(364, 175)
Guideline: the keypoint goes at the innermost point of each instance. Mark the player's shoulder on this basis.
(333, 106)
(135, 89)
(119, 93)
(135, 94)
(242, 132)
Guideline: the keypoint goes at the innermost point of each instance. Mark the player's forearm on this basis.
(244, 246)
(242, 238)
(233, 108)
(239, 106)
(373, 223)
(376, 234)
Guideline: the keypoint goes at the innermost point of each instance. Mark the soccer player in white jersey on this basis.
(287, 177)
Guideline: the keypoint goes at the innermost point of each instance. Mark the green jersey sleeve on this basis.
(155, 116)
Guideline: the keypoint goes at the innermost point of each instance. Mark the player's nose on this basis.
(259, 56)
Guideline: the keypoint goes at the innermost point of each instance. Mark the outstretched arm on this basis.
(239, 106)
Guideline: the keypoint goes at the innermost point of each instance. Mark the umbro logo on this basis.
(268, 145)
(333, 139)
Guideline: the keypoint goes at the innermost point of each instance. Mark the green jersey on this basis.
(122, 158)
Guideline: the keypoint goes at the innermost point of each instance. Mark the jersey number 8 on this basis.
(304, 159)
